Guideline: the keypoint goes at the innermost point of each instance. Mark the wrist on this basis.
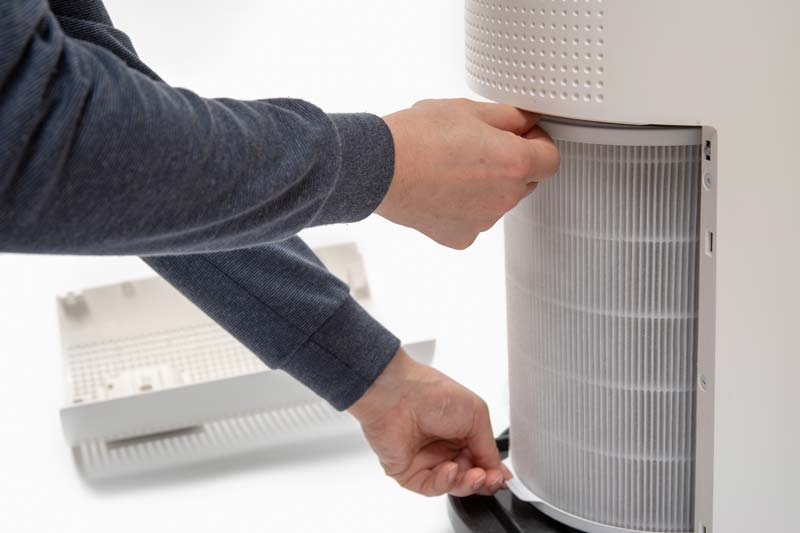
(395, 123)
(365, 171)
(387, 391)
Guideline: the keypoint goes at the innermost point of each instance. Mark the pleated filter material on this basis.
(601, 269)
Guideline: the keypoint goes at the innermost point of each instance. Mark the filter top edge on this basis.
(618, 134)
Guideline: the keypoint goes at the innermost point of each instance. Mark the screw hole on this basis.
(708, 180)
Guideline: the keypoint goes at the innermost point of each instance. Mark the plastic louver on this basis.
(601, 265)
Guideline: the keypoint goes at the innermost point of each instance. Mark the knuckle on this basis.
(481, 407)
(515, 164)
(486, 225)
(518, 164)
(404, 481)
(395, 466)
(463, 243)
(515, 157)
(505, 202)
(511, 202)
(468, 240)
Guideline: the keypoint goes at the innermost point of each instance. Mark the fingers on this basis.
(438, 440)
(464, 460)
(495, 479)
(446, 478)
(542, 154)
(494, 482)
(428, 457)
(506, 117)
(506, 472)
(459, 477)
(435, 482)
(422, 482)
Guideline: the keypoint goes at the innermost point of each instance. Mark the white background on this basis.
(344, 56)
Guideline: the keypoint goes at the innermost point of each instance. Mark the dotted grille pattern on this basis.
(200, 353)
(221, 438)
(543, 49)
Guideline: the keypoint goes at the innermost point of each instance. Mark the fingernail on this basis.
(451, 475)
(479, 482)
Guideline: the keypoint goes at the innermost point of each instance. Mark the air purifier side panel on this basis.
(602, 307)
(707, 336)
(753, 388)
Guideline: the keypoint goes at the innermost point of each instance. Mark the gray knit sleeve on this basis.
(99, 158)
(281, 302)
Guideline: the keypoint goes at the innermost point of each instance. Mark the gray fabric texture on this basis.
(99, 156)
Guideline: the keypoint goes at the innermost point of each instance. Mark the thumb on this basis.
(543, 154)
(506, 117)
(480, 440)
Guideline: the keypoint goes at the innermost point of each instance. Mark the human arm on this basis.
(280, 302)
(290, 311)
(99, 158)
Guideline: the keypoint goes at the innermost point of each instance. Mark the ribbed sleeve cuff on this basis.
(366, 169)
(343, 357)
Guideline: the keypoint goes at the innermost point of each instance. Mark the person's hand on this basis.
(431, 435)
(460, 165)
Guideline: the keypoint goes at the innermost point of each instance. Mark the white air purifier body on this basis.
(653, 283)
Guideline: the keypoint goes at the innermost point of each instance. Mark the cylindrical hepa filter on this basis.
(601, 266)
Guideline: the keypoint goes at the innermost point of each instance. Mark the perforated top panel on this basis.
(544, 49)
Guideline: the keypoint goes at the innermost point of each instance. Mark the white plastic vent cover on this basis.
(601, 276)
(153, 382)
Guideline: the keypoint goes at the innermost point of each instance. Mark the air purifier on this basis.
(652, 283)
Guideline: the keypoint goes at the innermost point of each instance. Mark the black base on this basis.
(501, 513)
